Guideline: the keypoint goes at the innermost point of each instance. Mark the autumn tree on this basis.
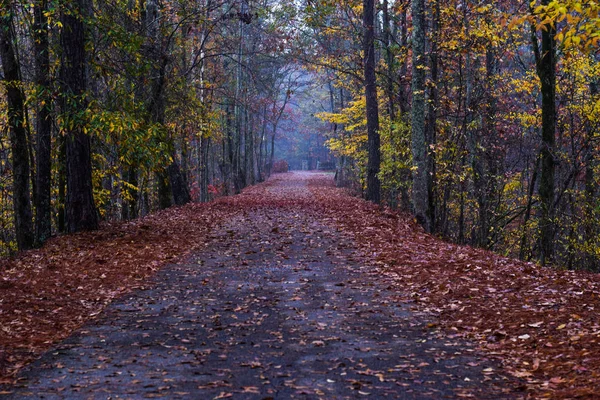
(422, 173)
(373, 165)
(80, 208)
(44, 121)
(545, 61)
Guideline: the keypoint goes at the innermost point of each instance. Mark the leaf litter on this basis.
(540, 323)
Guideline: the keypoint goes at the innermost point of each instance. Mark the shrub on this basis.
(280, 166)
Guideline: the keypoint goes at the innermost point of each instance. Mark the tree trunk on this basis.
(164, 190)
(261, 164)
(389, 59)
(487, 201)
(524, 237)
(249, 153)
(80, 209)
(402, 97)
(546, 70)
(373, 142)
(431, 122)
(18, 134)
(130, 208)
(43, 216)
(272, 155)
(62, 184)
(473, 141)
(204, 144)
(421, 191)
(181, 194)
(591, 187)
(156, 109)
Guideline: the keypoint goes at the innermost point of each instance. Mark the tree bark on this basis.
(389, 59)
(179, 188)
(249, 152)
(373, 142)
(164, 190)
(129, 209)
(80, 208)
(591, 187)
(43, 212)
(18, 134)
(431, 121)
(203, 162)
(489, 188)
(62, 184)
(171, 183)
(546, 70)
(421, 191)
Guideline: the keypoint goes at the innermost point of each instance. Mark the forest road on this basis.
(278, 305)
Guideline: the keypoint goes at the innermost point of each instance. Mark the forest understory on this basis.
(539, 323)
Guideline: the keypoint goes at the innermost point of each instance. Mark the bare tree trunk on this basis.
(18, 134)
(373, 142)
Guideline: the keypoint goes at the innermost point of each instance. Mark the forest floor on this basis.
(291, 289)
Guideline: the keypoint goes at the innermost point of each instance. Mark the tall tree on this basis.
(373, 142)
(421, 180)
(43, 221)
(80, 209)
(432, 111)
(18, 133)
(546, 70)
(171, 183)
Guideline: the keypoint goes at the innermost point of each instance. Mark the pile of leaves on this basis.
(541, 323)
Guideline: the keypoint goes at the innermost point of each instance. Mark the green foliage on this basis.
(8, 244)
(396, 157)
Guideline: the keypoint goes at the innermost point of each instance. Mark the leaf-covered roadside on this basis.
(45, 294)
(541, 323)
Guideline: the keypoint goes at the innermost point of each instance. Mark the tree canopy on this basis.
(480, 119)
